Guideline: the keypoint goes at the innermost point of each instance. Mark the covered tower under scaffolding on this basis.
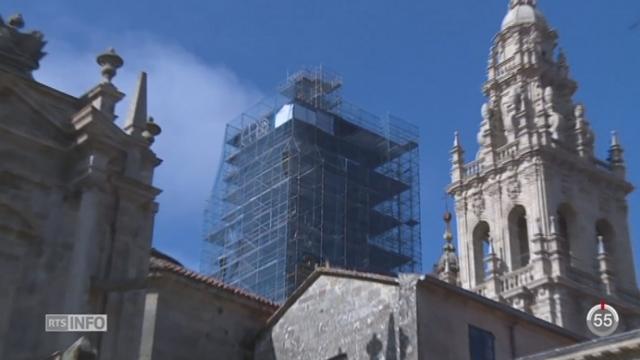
(306, 179)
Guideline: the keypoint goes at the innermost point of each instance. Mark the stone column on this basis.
(88, 235)
(148, 326)
(493, 284)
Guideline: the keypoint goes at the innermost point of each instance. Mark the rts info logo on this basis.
(75, 323)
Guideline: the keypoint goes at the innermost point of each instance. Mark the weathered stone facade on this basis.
(76, 206)
(338, 314)
(542, 223)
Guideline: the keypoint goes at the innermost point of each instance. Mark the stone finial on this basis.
(456, 139)
(563, 64)
(562, 57)
(457, 159)
(616, 155)
(584, 134)
(109, 62)
(16, 21)
(615, 140)
(579, 112)
(448, 266)
(152, 130)
(456, 151)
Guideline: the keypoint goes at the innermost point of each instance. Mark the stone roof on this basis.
(601, 348)
(160, 262)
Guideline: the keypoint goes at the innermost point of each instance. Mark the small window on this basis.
(481, 344)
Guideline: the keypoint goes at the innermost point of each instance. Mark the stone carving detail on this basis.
(19, 51)
(478, 204)
(542, 293)
(514, 188)
(493, 191)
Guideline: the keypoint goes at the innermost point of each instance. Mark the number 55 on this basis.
(603, 319)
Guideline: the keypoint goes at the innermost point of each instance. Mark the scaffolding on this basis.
(306, 179)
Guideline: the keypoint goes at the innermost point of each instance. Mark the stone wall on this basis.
(444, 319)
(341, 318)
(339, 314)
(191, 317)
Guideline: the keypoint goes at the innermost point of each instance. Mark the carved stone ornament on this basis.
(477, 204)
(19, 52)
(514, 188)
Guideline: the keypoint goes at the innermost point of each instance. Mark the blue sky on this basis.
(421, 60)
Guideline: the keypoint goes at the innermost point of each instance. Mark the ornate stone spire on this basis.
(457, 159)
(20, 53)
(584, 134)
(136, 122)
(448, 266)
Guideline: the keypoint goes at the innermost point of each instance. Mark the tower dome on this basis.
(523, 12)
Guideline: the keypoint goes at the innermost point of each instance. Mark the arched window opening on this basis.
(523, 240)
(481, 249)
(519, 237)
(565, 220)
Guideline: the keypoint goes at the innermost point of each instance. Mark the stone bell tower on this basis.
(542, 223)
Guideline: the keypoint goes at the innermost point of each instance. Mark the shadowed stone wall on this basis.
(344, 319)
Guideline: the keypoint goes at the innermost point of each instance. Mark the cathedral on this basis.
(542, 234)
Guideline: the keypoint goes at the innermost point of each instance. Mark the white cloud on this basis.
(190, 99)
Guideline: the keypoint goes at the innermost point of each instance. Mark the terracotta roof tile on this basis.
(160, 264)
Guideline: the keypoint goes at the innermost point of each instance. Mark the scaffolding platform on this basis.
(307, 179)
